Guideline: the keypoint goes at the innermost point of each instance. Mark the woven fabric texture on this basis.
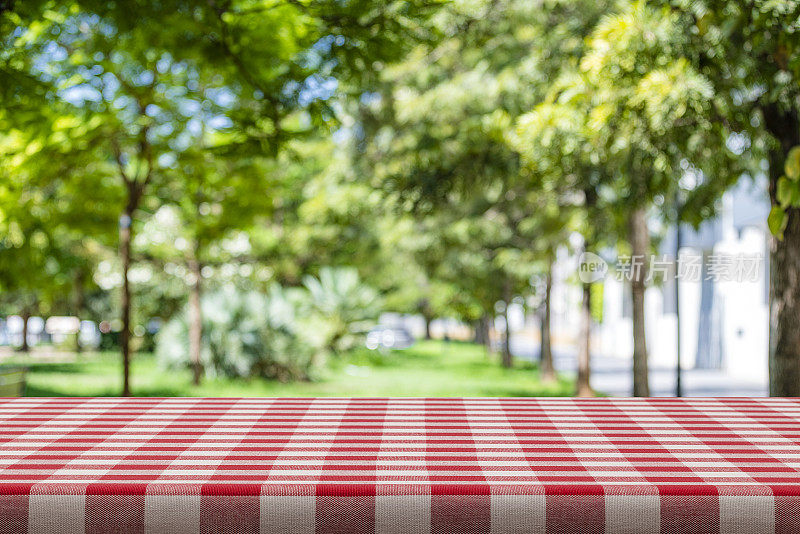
(399, 465)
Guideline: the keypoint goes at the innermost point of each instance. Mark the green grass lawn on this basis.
(431, 368)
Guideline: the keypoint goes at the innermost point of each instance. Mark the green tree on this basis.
(130, 76)
(131, 105)
(209, 196)
(748, 51)
(49, 240)
(650, 118)
(621, 127)
(437, 128)
(554, 141)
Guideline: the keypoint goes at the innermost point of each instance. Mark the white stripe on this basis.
(402, 514)
(172, 514)
(56, 514)
(287, 514)
(519, 514)
(746, 515)
(324, 445)
(633, 514)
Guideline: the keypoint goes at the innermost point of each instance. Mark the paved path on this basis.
(613, 376)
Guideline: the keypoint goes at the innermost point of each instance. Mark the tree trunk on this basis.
(784, 339)
(640, 244)
(428, 321)
(482, 332)
(125, 222)
(79, 303)
(584, 388)
(709, 336)
(678, 244)
(26, 315)
(424, 308)
(486, 327)
(784, 291)
(195, 322)
(547, 370)
(506, 358)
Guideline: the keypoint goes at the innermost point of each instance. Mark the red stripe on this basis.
(13, 513)
(352, 510)
(690, 514)
(459, 510)
(115, 513)
(229, 512)
(223, 510)
(460, 514)
(581, 513)
(787, 514)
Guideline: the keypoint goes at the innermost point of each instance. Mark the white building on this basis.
(724, 322)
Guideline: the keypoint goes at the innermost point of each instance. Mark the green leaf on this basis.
(792, 165)
(777, 221)
(787, 191)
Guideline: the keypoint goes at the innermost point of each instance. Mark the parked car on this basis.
(389, 337)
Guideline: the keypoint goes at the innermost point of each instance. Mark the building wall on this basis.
(736, 322)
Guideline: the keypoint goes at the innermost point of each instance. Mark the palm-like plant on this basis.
(246, 334)
(343, 306)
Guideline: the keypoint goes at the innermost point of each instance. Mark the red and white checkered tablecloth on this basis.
(400, 465)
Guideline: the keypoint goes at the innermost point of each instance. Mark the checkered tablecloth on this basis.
(401, 465)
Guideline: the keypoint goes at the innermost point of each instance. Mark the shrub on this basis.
(342, 307)
(246, 334)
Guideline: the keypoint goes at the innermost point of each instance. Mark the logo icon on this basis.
(591, 267)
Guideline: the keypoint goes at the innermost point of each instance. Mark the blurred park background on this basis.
(380, 197)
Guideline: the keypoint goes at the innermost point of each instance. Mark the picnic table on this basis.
(399, 465)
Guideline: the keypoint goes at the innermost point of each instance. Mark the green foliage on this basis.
(787, 193)
(749, 53)
(284, 333)
(597, 302)
(776, 220)
(343, 308)
(792, 165)
(245, 334)
(651, 111)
